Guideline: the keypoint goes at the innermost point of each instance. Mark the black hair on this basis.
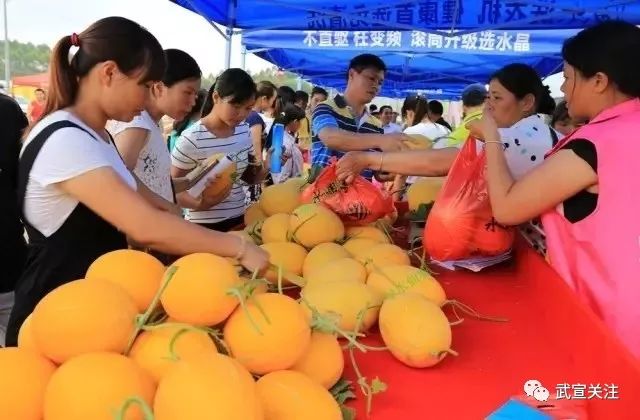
(366, 61)
(561, 113)
(383, 107)
(39, 90)
(290, 114)
(418, 104)
(236, 84)
(436, 107)
(180, 66)
(612, 48)
(317, 90)
(180, 126)
(373, 108)
(522, 80)
(286, 96)
(302, 96)
(115, 38)
(265, 88)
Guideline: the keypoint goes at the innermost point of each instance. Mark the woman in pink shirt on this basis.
(586, 188)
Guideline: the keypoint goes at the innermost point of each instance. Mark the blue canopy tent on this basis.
(416, 60)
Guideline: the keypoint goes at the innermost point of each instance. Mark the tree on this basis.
(26, 58)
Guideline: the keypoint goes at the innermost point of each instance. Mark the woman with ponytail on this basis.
(222, 130)
(77, 198)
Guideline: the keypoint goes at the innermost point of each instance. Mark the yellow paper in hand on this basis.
(418, 142)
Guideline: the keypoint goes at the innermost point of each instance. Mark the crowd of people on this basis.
(94, 171)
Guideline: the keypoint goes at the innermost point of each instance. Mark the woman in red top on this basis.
(36, 107)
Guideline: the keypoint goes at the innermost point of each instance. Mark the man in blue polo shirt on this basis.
(344, 124)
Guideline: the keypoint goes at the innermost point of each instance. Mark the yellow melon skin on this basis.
(287, 255)
(358, 246)
(197, 293)
(95, 386)
(367, 232)
(212, 386)
(383, 255)
(323, 361)
(313, 224)
(275, 228)
(280, 198)
(343, 269)
(83, 317)
(268, 344)
(25, 336)
(396, 279)
(423, 191)
(344, 300)
(23, 380)
(289, 395)
(152, 349)
(253, 214)
(415, 330)
(321, 255)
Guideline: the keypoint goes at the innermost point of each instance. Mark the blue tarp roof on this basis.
(409, 15)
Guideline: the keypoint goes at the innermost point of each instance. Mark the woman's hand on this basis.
(254, 258)
(484, 128)
(352, 164)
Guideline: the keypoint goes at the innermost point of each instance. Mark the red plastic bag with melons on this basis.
(358, 203)
(460, 224)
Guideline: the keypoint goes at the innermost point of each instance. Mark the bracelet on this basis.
(381, 161)
(493, 141)
(243, 248)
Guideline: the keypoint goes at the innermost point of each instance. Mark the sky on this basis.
(45, 21)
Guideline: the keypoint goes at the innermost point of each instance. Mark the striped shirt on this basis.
(197, 144)
(337, 114)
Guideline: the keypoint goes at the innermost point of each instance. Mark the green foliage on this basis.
(25, 58)
(271, 74)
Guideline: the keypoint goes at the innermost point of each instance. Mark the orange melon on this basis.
(287, 255)
(23, 381)
(383, 255)
(266, 344)
(323, 361)
(290, 395)
(396, 279)
(424, 191)
(152, 349)
(25, 336)
(275, 228)
(343, 269)
(197, 293)
(313, 224)
(357, 246)
(211, 386)
(138, 273)
(83, 317)
(367, 232)
(253, 214)
(95, 386)
(321, 255)
(280, 198)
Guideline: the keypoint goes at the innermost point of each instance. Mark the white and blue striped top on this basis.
(197, 144)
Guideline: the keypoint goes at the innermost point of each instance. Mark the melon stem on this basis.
(141, 321)
(280, 279)
(235, 292)
(472, 312)
(146, 410)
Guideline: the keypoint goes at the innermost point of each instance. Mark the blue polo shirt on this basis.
(335, 113)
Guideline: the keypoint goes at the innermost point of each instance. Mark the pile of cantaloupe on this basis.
(198, 340)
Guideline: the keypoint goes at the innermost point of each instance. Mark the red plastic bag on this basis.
(461, 225)
(359, 203)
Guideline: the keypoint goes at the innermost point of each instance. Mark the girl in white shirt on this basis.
(78, 200)
(141, 142)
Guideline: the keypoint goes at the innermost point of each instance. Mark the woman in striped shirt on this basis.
(222, 130)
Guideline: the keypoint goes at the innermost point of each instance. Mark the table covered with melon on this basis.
(345, 323)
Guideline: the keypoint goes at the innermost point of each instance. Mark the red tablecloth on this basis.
(550, 337)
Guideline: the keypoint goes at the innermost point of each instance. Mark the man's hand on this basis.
(352, 164)
(394, 142)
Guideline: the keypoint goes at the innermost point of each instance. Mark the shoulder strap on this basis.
(32, 150)
(554, 136)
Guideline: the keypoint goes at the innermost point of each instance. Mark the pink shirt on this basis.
(599, 256)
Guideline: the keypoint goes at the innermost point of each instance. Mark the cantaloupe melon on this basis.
(313, 224)
(418, 142)
(343, 269)
(396, 279)
(280, 198)
(367, 232)
(356, 247)
(23, 380)
(323, 361)
(270, 333)
(322, 254)
(138, 273)
(253, 214)
(290, 395)
(226, 179)
(383, 255)
(198, 292)
(344, 300)
(423, 191)
(95, 386)
(25, 336)
(153, 350)
(415, 330)
(83, 317)
(275, 228)
(287, 255)
(212, 386)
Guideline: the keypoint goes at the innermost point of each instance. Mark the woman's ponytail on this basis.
(63, 79)
(208, 102)
(546, 103)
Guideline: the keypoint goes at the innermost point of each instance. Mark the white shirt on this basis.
(293, 166)
(430, 130)
(392, 128)
(526, 142)
(268, 122)
(67, 154)
(197, 144)
(153, 167)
